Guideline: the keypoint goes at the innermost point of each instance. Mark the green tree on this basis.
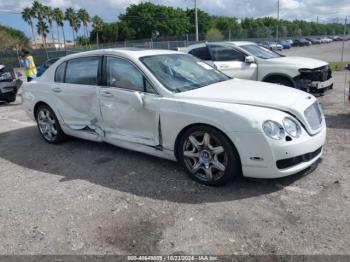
(204, 21)
(58, 16)
(146, 18)
(214, 34)
(84, 17)
(27, 16)
(12, 38)
(43, 30)
(97, 25)
(48, 15)
(72, 17)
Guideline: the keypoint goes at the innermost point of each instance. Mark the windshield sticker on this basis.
(205, 66)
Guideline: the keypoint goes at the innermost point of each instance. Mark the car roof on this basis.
(134, 53)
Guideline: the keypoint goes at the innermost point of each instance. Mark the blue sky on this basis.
(326, 10)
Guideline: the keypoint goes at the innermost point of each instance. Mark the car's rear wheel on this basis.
(208, 155)
(48, 125)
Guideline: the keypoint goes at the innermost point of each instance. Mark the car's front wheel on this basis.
(208, 155)
(48, 125)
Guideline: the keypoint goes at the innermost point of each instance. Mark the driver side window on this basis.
(123, 74)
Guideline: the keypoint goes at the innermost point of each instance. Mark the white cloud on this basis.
(290, 9)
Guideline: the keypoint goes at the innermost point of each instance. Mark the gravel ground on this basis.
(83, 197)
(327, 52)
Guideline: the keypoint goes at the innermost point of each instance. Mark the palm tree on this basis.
(58, 16)
(42, 30)
(37, 9)
(27, 15)
(72, 17)
(84, 17)
(97, 24)
(48, 14)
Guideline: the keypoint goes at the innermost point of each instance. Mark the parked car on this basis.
(326, 40)
(275, 46)
(290, 41)
(314, 41)
(301, 42)
(247, 60)
(270, 45)
(264, 44)
(285, 44)
(173, 105)
(8, 86)
(338, 38)
(43, 67)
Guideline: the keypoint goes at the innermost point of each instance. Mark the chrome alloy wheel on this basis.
(205, 156)
(47, 124)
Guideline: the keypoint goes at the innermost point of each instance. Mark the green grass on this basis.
(338, 66)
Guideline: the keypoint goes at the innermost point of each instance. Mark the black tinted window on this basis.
(222, 53)
(201, 53)
(82, 71)
(123, 74)
(59, 76)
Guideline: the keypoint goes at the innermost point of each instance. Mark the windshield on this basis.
(260, 51)
(181, 72)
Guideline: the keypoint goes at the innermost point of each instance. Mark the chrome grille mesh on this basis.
(314, 116)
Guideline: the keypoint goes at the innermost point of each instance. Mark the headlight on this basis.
(273, 129)
(292, 127)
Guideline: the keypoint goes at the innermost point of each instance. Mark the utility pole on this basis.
(278, 18)
(342, 50)
(196, 19)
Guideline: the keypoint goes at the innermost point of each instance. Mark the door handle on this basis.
(56, 89)
(224, 66)
(107, 94)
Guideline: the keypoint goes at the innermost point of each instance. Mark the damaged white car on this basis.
(171, 105)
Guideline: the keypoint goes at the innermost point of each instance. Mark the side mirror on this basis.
(136, 101)
(347, 67)
(249, 59)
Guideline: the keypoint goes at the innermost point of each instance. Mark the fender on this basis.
(280, 75)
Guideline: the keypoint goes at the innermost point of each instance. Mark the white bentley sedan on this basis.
(171, 105)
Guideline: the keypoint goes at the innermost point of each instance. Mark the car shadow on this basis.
(123, 170)
(338, 121)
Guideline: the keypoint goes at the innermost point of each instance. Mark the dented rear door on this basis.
(76, 98)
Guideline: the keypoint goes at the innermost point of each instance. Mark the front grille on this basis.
(293, 161)
(314, 116)
(318, 74)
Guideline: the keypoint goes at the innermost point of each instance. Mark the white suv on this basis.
(247, 60)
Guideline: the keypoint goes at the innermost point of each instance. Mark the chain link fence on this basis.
(9, 58)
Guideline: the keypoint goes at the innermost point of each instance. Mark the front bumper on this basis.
(263, 156)
(322, 85)
(8, 90)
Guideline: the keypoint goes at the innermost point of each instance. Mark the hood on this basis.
(299, 62)
(253, 93)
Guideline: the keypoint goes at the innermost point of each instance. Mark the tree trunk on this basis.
(73, 36)
(97, 42)
(33, 35)
(47, 54)
(64, 39)
(58, 36)
(52, 34)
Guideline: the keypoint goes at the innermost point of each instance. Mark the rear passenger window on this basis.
(59, 76)
(222, 53)
(201, 53)
(82, 71)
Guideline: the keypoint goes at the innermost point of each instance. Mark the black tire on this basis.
(208, 173)
(279, 80)
(52, 122)
(11, 99)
